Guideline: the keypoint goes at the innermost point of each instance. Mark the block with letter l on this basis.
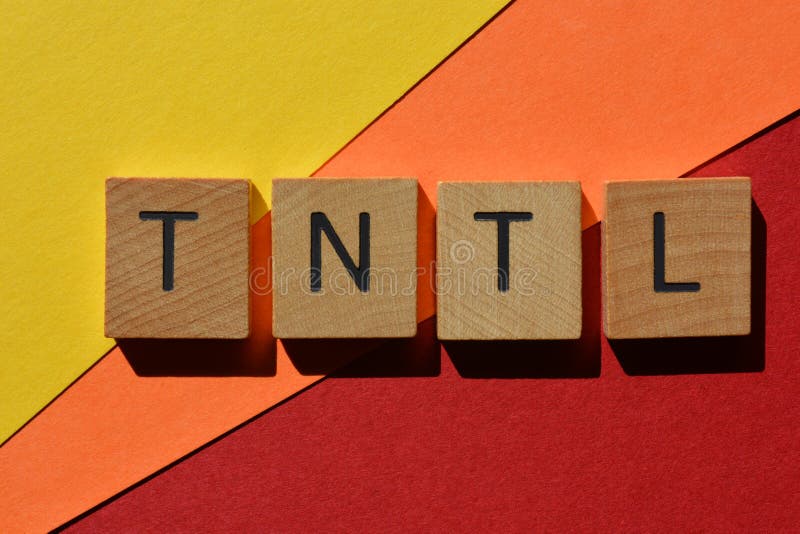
(177, 258)
(676, 258)
(344, 257)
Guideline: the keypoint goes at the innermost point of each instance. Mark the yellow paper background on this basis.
(180, 88)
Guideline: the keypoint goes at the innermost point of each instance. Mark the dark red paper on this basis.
(698, 436)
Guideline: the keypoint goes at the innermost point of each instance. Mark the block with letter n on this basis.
(344, 257)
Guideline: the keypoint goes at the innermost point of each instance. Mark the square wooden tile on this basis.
(201, 289)
(538, 294)
(337, 302)
(676, 258)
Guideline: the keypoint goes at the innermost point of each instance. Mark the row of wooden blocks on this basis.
(676, 259)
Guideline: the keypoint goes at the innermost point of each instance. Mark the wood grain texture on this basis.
(707, 241)
(340, 309)
(543, 298)
(210, 297)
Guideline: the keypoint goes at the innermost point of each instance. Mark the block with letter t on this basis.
(177, 258)
(509, 260)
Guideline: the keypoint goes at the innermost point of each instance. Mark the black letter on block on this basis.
(504, 219)
(168, 261)
(360, 273)
(659, 262)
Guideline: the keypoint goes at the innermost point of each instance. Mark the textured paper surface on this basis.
(592, 91)
(188, 88)
(761, 100)
(670, 452)
(143, 405)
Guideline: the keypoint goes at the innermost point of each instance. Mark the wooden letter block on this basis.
(509, 260)
(345, 258)
(177, 258)
(676, 258)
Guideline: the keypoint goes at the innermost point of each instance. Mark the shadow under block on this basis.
(540, 298)
(702, 286)
(177, 258)
(355, 223)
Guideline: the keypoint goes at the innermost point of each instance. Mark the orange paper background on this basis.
(593, 91)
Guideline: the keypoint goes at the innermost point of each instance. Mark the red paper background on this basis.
(649, 435)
